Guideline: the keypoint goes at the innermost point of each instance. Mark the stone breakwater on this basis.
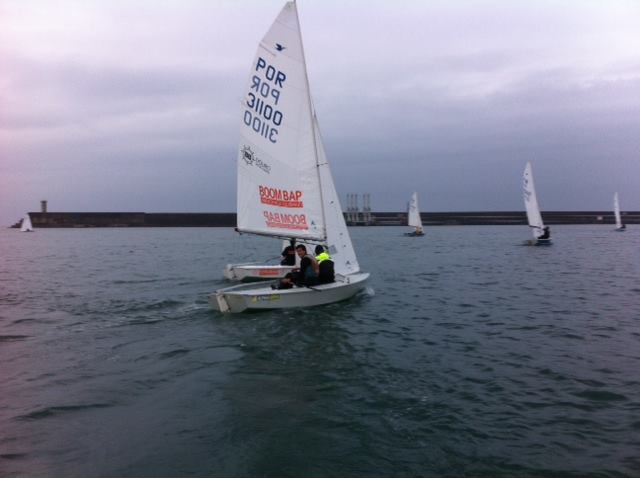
(227, 219)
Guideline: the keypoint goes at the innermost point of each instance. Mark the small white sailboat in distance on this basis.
(413, 217)
(616, 210)
(285, 187)
(541, 233)
(26, 224)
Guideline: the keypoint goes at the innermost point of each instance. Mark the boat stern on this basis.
(227, 303)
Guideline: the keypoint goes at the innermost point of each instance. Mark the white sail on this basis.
(616, 211)
(26, 224)
(414, 212)
(338, 239)
(531, 202)
(278, 179)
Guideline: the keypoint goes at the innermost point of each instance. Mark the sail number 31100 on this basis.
(261, 114)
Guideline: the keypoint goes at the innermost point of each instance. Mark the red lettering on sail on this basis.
(285, 221)
(280, 197)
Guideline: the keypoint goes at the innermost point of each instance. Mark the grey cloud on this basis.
(82, 92)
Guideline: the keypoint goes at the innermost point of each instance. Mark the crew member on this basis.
(326, 272)
(289, 254)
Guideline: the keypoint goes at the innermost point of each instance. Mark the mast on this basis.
(312, 118)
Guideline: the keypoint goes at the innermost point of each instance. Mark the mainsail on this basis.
(616, 211)
(414, 212)
(531, 202)
(279, 190)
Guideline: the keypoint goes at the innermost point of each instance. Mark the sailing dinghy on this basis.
(541, 234)
(616, 210)
(26, 224)
(256, 271)
(414, 217)
(285, 186)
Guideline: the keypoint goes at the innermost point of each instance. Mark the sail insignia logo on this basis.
(251, 159)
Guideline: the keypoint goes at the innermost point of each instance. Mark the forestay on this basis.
(414, 212)
(278, 179)
(531, 202)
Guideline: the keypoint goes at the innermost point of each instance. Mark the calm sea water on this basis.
(470, 355)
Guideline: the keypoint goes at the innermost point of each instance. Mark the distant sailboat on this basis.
(413, 217)
(285, 186)
(26, 224)
(541, 233)
(616, 211)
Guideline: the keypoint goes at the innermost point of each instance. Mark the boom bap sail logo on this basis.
(251, 159)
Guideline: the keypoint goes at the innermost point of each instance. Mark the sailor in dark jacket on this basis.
(326, 272)
(289, 254)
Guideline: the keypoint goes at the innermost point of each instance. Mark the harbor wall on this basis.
(224, 219)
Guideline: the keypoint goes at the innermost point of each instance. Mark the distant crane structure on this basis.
(356, 217)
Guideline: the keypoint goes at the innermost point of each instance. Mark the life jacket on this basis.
(323, 256)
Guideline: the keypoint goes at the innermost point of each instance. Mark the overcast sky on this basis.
(134, 105)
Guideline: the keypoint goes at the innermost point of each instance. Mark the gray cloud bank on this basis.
(450, 99)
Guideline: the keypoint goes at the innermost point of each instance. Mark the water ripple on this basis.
(60, 410)
(473, 357)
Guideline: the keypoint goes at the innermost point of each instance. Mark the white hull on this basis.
(255, 272)
(245, 297)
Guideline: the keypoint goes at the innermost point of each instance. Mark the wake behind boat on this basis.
(285, 186)
(413, 217)
(541, 233)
